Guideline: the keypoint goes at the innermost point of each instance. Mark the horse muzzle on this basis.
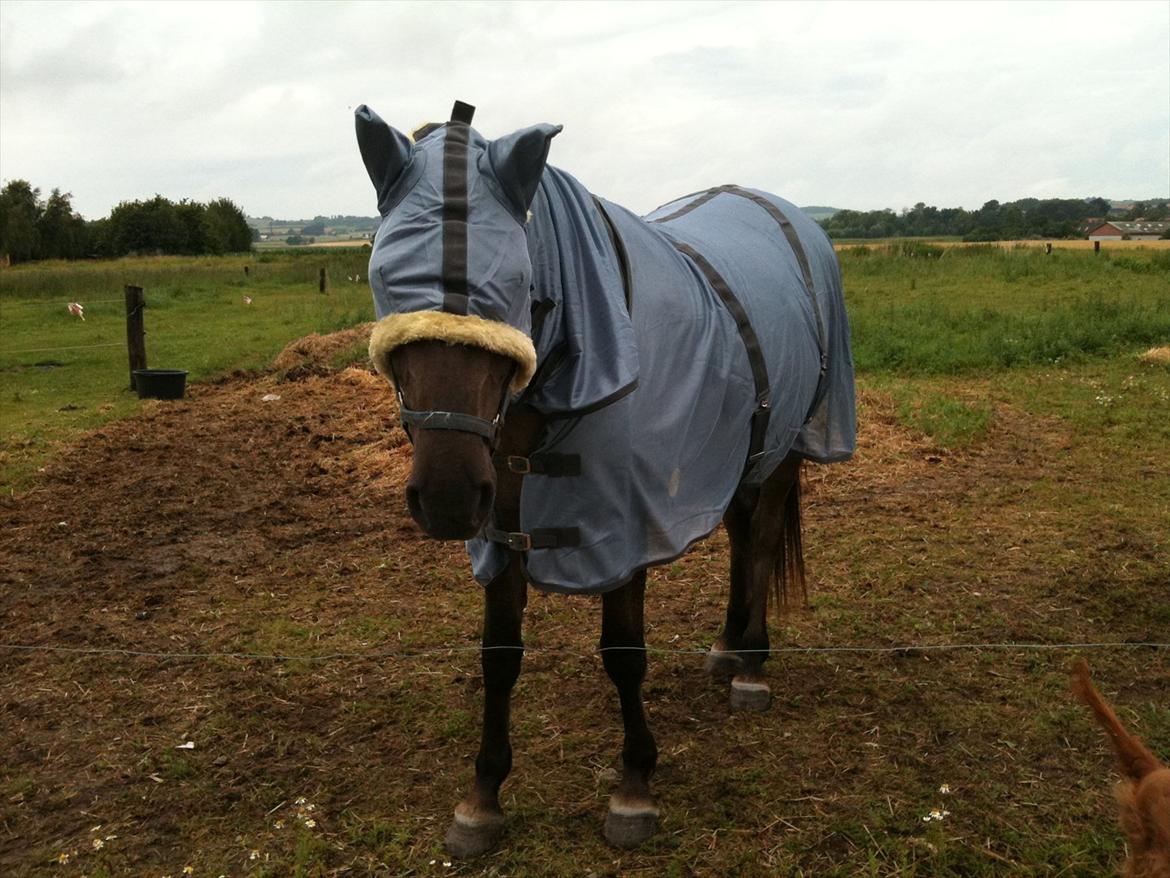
(447, 498)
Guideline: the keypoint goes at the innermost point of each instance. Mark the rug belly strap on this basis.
(537, 538)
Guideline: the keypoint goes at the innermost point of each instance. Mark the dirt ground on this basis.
(264, 516)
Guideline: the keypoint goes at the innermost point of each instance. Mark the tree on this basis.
(62, 232)
(226, 227)
(192, 215)
(19, 211)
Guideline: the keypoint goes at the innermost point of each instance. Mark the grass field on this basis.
(60, 374)
(1010, 486)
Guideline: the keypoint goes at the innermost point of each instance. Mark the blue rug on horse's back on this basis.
(661, 344)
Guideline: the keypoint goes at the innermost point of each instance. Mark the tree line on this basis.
(1026, 218)
(32, 228)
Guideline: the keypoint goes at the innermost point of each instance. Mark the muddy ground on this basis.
(234, 523)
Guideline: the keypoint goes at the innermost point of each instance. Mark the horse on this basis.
(589, 393)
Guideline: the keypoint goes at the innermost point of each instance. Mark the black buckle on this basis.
(517, 542)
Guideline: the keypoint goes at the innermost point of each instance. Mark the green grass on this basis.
(923, 310)
(60, 375)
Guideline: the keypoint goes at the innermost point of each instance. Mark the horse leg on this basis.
(763, 527)
(722, 662)
(479, 820)
(633, 814)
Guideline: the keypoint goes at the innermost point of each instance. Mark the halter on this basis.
(458, 421)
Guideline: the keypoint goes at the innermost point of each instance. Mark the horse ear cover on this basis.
(385, 152)
(518, 161)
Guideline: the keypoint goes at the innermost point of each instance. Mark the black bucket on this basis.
(160, 383)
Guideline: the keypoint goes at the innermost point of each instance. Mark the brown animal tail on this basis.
(789, 587)
(1136, 761)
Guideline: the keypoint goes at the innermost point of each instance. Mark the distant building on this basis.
(1141, 230)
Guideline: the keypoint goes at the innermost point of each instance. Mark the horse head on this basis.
(451, 276)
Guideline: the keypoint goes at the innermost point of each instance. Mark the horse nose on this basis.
(487, 496)
(414, 504)
(450, 511)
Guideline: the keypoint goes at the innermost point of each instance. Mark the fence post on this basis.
(135, 330)
(322, 281)
(1096, 247)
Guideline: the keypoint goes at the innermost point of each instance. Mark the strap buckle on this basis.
(517, 542)
(517, 464)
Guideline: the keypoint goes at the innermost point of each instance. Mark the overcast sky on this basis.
(862, 105)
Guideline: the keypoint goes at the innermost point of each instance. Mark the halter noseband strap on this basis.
(459, 421)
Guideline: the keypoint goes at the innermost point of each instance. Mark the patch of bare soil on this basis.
(265, 517)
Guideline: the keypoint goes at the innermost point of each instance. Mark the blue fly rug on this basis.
(673, 356)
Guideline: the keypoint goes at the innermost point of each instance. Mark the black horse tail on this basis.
(789, 587)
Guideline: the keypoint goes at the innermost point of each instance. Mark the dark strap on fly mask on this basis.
(455, 209)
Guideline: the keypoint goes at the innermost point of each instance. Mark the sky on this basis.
(860, 105)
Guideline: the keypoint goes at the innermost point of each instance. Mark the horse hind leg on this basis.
(633, 812)
(763, 526)
(723, 662)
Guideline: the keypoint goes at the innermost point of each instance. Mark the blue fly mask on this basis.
(451, 260)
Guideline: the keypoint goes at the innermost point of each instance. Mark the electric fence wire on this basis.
(904, 649)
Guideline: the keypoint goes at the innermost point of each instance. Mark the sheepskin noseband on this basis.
(394, 330)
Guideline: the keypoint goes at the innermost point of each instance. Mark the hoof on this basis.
(629, 827)
(750, 695)
(469, 837)
(722, 665)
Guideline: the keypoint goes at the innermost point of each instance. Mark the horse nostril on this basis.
(487, 495)
(414, 504)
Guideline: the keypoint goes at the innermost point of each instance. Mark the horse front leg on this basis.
(479, 820)
(633, 813)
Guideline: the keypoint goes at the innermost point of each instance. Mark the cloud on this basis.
(862, 105)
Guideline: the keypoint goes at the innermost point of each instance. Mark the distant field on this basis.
(60, 374)
(279, 244)
(1056, 243)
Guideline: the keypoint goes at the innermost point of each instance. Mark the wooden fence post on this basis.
(135, 330)
(1096, 247)
(322, 281)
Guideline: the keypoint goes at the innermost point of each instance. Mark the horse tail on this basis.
(1136, 761)
(789, 587)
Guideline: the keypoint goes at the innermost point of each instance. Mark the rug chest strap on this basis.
(537, 538)
(551, 465)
